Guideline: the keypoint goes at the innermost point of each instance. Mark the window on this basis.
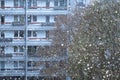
(15, 49)
(16, 64)
(31, 64)
(2, 50)
(2, 19)
(2, 35)
(34, 18)
(47, 34)
(47, 3)
(2, 4)
(18, 48)
(2, 65)
(32, 50)
(16, 3)
(19, 18)
(47, 19)
(19, 3)
(32, 34)
(63, 3)
(81, 3)
(55, 2)
(32, 4)
(18, 33)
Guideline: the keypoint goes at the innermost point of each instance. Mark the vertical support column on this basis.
(26, 56)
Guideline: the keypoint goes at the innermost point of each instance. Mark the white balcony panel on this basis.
(12, 73)
(32, 12)
(46, 12)
(30, 27)
(29, 43)
(10, 27)
(12, 11)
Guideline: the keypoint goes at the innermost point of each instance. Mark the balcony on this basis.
(6, 39)
(47, 24)
(18, 23)
(46, 12)
(12, 11)
(6, 55)
(19, 73)
(60, 8)
(34, 11)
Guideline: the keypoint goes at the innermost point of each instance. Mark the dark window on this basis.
(18, 49)
(31, 64)
(21, 33)
(16, 3)
(34, 3)
(2, 65)
(34, 18)
(15, 63)
(29, 33)
(56, 3)
(32, 50)
(47, 34)
(22, 3)
(2, 50)
(16, 34)
(15, 49)
(29, 4)
(2, 4)
(21, 49)
(34, 33)
(2, 19)
(47, 3)
(47, 19)
(2, 35)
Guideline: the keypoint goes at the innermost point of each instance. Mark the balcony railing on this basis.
(18, 23)
(60, 8)
(6, 39)
(5, 55)
(47, 24)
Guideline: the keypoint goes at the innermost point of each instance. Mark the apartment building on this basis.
(25, 26)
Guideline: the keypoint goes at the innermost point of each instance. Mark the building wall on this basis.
(9, 29)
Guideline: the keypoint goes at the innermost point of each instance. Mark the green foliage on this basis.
(95, 53)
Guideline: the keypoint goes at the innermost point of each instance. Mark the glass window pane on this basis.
(16, 18)
(47, 3)
(15, 33)
(21, 33)
(21, 49)
(34, 33)
(15, 49)
(56, 3)
(21, 3)
(16, 3)
(34, 3)
(47, 19)
(34, 18)
(29, 33)
(15, 63)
